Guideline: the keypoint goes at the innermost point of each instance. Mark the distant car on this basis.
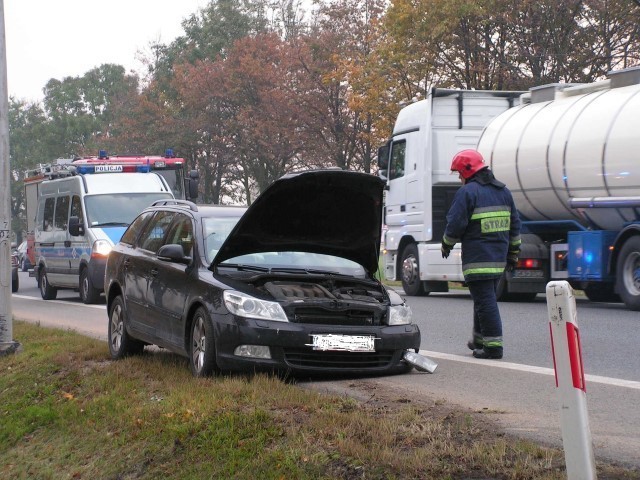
(23, 258)
(287, 285)
(15, 280)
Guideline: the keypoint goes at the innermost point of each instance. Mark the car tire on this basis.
(46, 290)
(410, 272)
(202, 350)
(23, 264)
(121, 344)
(88, 293)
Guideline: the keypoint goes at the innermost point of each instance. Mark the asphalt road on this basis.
(518, 392)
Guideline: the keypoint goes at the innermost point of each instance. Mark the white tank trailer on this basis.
(570, 153)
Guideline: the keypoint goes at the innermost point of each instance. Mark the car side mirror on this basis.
(173, 252)
(75, 227)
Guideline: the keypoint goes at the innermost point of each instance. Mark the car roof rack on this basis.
(179, 203)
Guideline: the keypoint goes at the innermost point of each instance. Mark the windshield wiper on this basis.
(111, 224)
(241, 267)
(309, 271)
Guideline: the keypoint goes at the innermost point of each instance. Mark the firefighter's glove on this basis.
(445, 249)
(512, 261)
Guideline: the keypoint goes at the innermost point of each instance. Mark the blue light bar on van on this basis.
(88, 169)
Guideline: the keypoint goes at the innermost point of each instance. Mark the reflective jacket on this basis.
(484, 218)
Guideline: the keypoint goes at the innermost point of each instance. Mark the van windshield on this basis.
(118, 208)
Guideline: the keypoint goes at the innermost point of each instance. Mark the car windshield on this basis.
(217, 229)
(118, 209)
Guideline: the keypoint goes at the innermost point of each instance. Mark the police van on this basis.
(81, 213)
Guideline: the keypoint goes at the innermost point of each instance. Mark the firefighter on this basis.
(483, 217)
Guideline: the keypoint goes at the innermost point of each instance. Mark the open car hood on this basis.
(332, 212)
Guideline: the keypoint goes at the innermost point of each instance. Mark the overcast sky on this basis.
(60, 38)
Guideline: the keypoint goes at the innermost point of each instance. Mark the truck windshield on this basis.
(175, 179)
(118, 208)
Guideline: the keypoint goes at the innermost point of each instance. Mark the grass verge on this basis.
(68, 411)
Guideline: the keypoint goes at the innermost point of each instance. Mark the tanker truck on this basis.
(571, 156)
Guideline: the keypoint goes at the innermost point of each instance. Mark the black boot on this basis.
(473, 345)
(494, 353)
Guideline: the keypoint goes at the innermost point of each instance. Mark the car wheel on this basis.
(121, 344)
(202, 351)
(46, 290)
(23, 264)
(411, 272)
(88, 294)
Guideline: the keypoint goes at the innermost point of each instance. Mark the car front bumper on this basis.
(290, 347)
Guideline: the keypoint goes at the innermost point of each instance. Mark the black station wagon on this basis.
(284, 285)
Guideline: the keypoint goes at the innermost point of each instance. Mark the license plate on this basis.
(528, 273)
(345, 343)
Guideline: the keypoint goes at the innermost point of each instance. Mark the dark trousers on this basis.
(487, 325)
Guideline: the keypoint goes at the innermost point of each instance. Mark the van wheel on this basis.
(88, 293)
(15, 282)
(46, 290)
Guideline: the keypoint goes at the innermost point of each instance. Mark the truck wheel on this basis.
(411, 272)
(628, 273)
(88, 294)
(503, 295)
(601, 292)
(46, 290)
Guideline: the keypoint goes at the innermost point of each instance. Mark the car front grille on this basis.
(306, 357)
(322, 316)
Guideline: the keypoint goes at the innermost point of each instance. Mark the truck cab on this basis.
(420, 187)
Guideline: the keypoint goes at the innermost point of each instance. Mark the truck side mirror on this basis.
(383, 157)
(192, 185)
(75, 227)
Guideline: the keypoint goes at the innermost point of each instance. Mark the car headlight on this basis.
(400, 315)
(247, 306)
(101, 248)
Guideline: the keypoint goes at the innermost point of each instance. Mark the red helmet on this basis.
(467, 163)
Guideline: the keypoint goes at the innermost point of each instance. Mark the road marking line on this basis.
(616, 382)
(62, 302)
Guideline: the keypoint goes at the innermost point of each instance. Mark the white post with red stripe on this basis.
(570, 384)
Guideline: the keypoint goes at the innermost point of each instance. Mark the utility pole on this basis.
(7, 345)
